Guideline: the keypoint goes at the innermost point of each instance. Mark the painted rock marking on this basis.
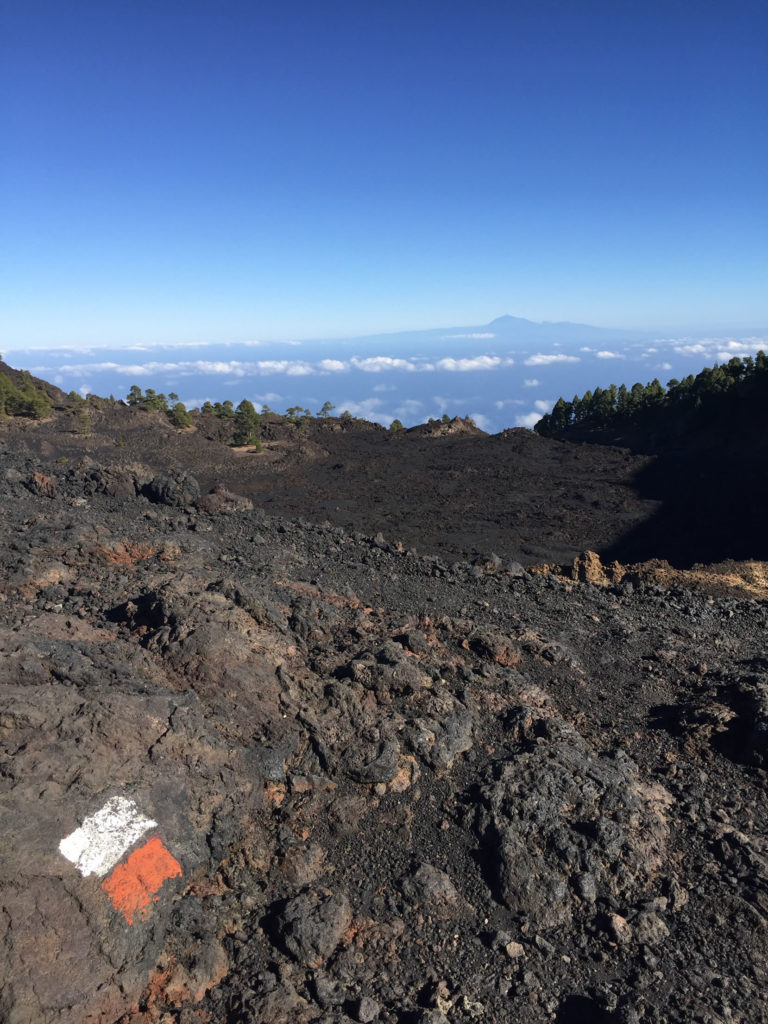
(133, 886)
(104, 837)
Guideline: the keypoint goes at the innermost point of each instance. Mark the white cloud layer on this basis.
(695, 349)
(293, 367)
(410, 407)
(481, 421)
(377, 364)
(711, 348)
(548, 358)
(527, 420)
(475, 363)
(367, 409)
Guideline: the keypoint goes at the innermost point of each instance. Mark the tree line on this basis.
(246, 420)
(622, 407)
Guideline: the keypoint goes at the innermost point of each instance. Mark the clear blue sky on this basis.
(230, 170)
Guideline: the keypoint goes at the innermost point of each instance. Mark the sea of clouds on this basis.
(500, 381)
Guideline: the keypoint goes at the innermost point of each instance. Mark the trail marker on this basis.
(133, 886)
(105, 836)
(101, 842)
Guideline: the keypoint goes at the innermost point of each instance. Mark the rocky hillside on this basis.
(452, 492)
(257, 769)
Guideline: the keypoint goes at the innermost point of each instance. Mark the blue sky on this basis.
(221, 172)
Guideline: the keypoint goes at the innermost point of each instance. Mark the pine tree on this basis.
(247, 424)
(560, 417)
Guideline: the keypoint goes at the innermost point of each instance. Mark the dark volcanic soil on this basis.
(450, 491)
(398, 788)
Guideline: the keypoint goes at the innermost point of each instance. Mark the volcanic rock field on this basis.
(372, 728)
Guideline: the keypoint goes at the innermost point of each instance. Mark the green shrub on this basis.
(178, 415)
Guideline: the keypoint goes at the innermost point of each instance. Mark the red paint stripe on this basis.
(132, 886)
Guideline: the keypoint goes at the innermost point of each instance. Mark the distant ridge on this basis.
(505, 329)
(548, 331)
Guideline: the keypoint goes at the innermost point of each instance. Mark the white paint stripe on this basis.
(104, 837)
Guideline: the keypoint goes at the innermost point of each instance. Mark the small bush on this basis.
(179, 416)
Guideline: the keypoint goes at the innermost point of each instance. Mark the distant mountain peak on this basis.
(507, 318)
(514, 328)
